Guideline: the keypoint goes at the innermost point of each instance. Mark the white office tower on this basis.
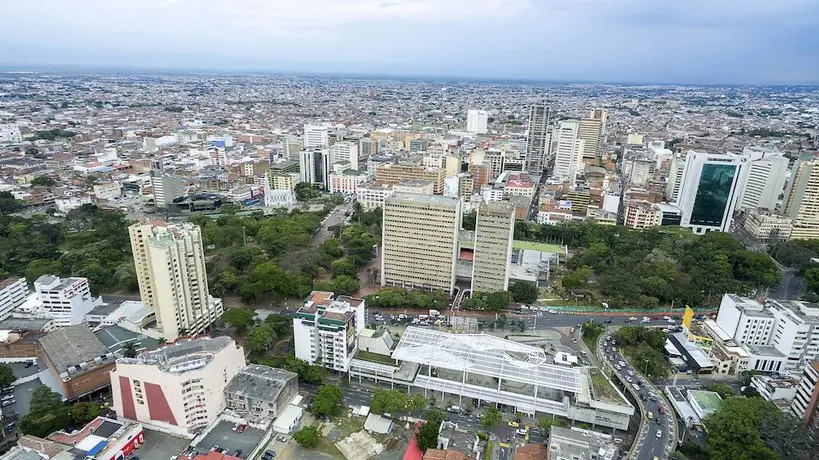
(764, 181)
(568, 150)
(590, 131)
(326, 329)
(476, 121)
(316, 136)
(67, 300)
(13, 292)
(803, 199)
(494, 229)
(314, 166)
(345, 151)
(711, 185)
(170, 269)
(538, 139)
(420, 241)
(675, 177)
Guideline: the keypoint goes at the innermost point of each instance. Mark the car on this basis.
(650, 415)
(659, 433)
(659, 422)
(514, 424)
(241, 428)
(622, 363)
(661, 410)
(630, 372)
(236, 426)
(7, 397)
(628, 379)
(214, 448)
(238, 453)
(635, 386)
(520, 432)
(617, 367)
(608, 321)
(8, 402)
(268, 454)
(614, 349)
(574, 339)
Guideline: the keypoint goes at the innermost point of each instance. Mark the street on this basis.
(336, 217)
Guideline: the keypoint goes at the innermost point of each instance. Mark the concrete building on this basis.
(345, 152)
(392, 174)
(179, 387)
(347, 182)
(77, 360)
(766, 226)
(764, 181)
(494, 229)
(417, 186)
(101, 439)
(13, 292)
(803, 199)
(314, 166)
(805, 404)
(260, 394)
(107, 190)
(711, 186)
(476, 121)
(579, 444)
(67, 300)
(775, 389)
(675, 177)
(590, 131)
(419, 241)
(538, 139)
(326, 328)
(316, 136)
(745, 320)
(282, 181)
(642, 214)
(173, 283)
(371, 195)
(568, 152)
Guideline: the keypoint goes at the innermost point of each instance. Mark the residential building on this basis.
(538, 139)
(480, 175)
(419, 241)
(326, 328)
(476, 121)
(316, 136)
(675, 177)
(391, 174)
(282, 181)
(417, 186)
(170, 268)
(372, 195)
(775, 389)
(601, 114)
(803, 199)
(77, 360)
(766, 226)
(590, 131)
(496, 159)
(67, 300)
(642, 214)
(711, 186)
(494, 229)
(764, 181)
(568, 152)
(579, 444)
(260, 394)
(179, 387)
(13, 292)
(806, 401)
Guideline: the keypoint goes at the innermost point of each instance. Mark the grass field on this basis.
(533, 246)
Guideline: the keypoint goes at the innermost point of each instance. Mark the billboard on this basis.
(687, 317)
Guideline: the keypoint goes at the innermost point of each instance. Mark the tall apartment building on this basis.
(326, 328)
(316, 136)
(495, 158)
(345, 151)
(764, 181)
(538, 139)
(367, 147)
(13, 292)
(419, 241)
(675, 178)
(179, 387)
(642, 215)
(166, 187)
(805, 404)
(281, 180)
(392, 174)
(601, 114)
(568, 152)
(170, 268)
(67, 300)
(803, 199)
(476, 121)
(590, 131)
(494, 229)
(711, 186)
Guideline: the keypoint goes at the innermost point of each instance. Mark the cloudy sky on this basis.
(686, 41)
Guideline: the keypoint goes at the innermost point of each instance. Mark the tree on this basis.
(344, 266)
(307, 437)
(43, 181)
(344, 284)
(327, 400)
(129, 350)
(427, 436)
(723, 390)
(571, 282)
(734, 430)
(388, 401)
(43, 399)
(6, 376)
(416, 402)
(524, 292)
(239, 318)
(240, 258)
(491, 417)
(305, 191)
(260, 338)
(9, 204)
(84, 412)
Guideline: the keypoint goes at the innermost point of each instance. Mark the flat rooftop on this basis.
(72, 345)
(438, 200)
(182, 355)
(260, 382)
(708, 400)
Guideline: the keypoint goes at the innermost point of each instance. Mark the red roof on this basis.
(413, 452)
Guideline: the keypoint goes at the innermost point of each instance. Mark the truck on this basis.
(434, 313)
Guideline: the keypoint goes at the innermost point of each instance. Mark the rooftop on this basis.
(72, 346)
(708, 400)
(260, 382)
(581, 444)
(423, 199)
(182, 356)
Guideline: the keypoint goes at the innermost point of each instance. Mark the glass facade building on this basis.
(713, 194)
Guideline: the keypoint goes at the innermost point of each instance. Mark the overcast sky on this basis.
(686, 41)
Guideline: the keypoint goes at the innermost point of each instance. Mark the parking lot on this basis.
(223, 436)
(161, 446)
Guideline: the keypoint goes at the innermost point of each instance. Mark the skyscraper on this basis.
(316, 136)
(170, 269)
(538, 139)
(675, 177)
(711, 186)
(803, 199)
(568, 150)
(420, 241)
(494, 228)
(764, 180)
(602, 115)
(476, 121)
(345, 151)
(590, 130)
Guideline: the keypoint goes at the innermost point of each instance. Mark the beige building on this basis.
(803, 200)
(419, 186)
(178, 388)
(590, 130)
(420, 241)
(765, 225)
(170, 269)
(642, 214)
(394, 173)
(494, 229)
(282, 180)
(371, 196)
(347, 182)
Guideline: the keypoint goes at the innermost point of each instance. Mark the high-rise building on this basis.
(67, 300)
(392, 174)
(805, 403)
(316, 136)
(711, 185)
(764, 181)
(675, 176)
(170, 269)
(476, 121)
(368, 147)
(293, 147)
(803, 199)
(345, 151)
(590, 131)
(494, 229)
(179, 387)
(13, 292)
(326, 328)
(166, 187)
(314, 166)
(419, 240)
(538, 139)
(602, 115)
(568, 152)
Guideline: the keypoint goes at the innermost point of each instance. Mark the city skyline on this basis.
(637, 41)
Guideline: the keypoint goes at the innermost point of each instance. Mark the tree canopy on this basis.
(427, 436)
(327, 401)
(644, 347)
(6, 375)
(47, 413)
(307, 437)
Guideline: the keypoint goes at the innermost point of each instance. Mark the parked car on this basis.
(241, 428)
(8, 402)
(659, 433)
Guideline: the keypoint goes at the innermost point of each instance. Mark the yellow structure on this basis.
(687, 317)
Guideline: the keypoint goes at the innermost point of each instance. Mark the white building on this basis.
(745, 320)
(764, 180)
(711, 186)
(765, 226)
(316, 135)
(675, 178)
(67, 300)
(107, 190)
(775, 389)
(13, 292)
(805, 404)
(345, 151)
(279, 198)
(326, 328)
(315, 166)
(347, 182)
(372, 196)
(73, 202)
(568, 150)
(476, 121)
(179, 387)
(10, 132)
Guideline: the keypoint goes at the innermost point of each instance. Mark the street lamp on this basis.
(646, 372)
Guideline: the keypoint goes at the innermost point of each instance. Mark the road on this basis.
(336, 217)
(790, 287)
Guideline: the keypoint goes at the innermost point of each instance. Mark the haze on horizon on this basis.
(685, 41)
